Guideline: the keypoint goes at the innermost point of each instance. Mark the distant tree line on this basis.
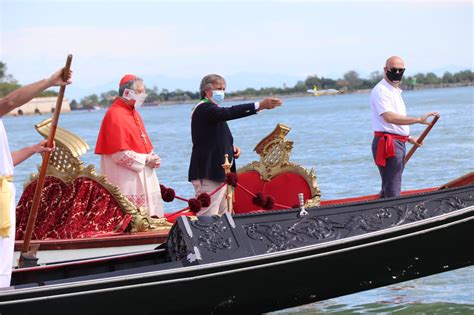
(350, 81)
(154, 98)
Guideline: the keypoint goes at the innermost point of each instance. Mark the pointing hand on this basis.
(270, 103)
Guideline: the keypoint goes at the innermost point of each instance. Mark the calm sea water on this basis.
(331, 134)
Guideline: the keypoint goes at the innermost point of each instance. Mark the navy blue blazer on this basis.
(212, 139)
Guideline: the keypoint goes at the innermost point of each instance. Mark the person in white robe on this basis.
(8, 160)
(127, 157)
(134, 174)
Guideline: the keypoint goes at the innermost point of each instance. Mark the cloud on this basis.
(174, 42)
(106, 52)
(101, 53)
(84, 41)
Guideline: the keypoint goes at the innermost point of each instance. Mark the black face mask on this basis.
(394, 76)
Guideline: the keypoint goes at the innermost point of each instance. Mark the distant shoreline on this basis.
(281, 96)
(286, 96)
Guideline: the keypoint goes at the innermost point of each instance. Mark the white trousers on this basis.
(218, 204)
(7, 246)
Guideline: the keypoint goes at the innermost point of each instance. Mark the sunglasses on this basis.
(399, 70)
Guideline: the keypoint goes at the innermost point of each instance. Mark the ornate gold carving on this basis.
(274, 151)
(229, 190)
(66, 165)
(160, 224)
(69, 147)
(140, 224)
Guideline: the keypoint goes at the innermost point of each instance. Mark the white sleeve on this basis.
(130, 159)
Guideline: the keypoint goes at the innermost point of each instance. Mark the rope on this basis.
(181, 198)
(217, 189)
(214, 192)
(187, 200)
(211, 194)
(178, 212)
(253, 195)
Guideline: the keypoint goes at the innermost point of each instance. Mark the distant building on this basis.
(40, 105)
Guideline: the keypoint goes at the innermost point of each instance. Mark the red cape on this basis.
(122, 129)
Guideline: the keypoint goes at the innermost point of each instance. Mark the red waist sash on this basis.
(386, 146)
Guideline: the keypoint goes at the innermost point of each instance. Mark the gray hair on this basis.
(208, 81)
(132, 84)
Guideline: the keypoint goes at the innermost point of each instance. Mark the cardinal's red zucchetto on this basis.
(126, 78)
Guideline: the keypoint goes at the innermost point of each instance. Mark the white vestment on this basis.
(137, 181)
(7, 243)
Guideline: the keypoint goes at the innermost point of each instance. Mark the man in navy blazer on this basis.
(212, 139)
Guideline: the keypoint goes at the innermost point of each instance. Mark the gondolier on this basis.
(8, 160)
(390, 124)
(127, 157)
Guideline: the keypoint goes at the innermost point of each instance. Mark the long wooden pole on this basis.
(40, 183)
(421, 138)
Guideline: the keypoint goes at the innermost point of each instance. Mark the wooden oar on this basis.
(421, 138)
(27, 257)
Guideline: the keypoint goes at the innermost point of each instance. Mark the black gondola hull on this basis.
(264, 282)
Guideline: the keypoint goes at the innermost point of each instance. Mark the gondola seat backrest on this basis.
(274, 177)
(75, 201)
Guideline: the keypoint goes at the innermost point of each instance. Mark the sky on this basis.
(173, 44)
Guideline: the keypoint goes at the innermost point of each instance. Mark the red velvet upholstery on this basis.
(284, 188)
(83, 208)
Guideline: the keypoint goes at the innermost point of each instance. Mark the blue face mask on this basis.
(218, 96)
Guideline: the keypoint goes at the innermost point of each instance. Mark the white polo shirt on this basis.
(387, 98)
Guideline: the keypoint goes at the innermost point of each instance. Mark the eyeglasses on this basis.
(399, 70)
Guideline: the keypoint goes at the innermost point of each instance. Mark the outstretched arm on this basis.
(24, 153)
(269, 103)
(25, 93)
(397, 119)
(216, 113)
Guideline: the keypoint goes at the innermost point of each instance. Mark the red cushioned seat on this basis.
(284, 188)
(76, 202)
(274, 175)
(79, 209)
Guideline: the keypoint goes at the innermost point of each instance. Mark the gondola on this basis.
(124, 229)
(260, 262)
(299, 250)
